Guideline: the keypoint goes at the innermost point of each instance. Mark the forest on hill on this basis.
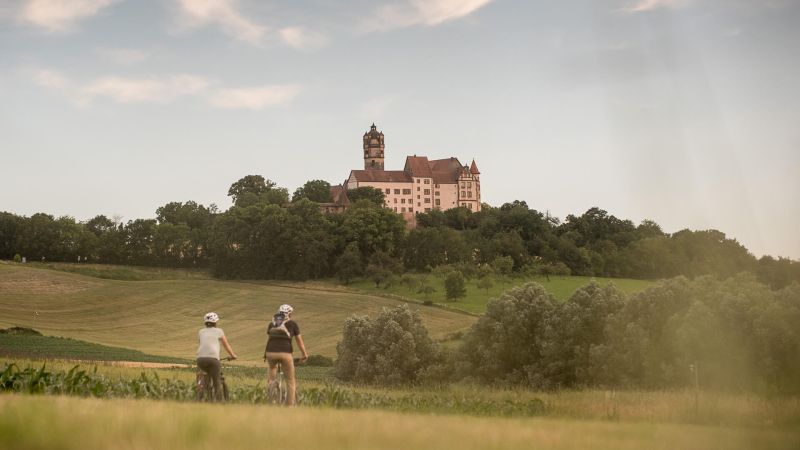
(268, 234)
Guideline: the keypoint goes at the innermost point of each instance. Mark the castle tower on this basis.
(373, 149)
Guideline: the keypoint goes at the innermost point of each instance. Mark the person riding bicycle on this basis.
(280, 332)
(208, 352)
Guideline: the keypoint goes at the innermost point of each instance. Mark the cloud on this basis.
(50, 79)
(254, 98)
(649, 5)
(147, 90)
(123, 56)
(301, 38)
(58, 15)
(163, 89)
(224, 14)
(423, 12)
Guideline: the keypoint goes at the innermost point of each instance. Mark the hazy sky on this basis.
(686, 112)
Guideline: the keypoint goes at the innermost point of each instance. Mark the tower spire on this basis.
(373, 149)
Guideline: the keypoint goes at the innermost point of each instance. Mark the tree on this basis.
(393, 348)
(253, 189)
(506, 343)
(349, 264)
(315, 190)
(455, 286)
(373, 195)
(381, 267)
(485, 283)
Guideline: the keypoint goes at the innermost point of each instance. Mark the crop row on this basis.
(80, 382)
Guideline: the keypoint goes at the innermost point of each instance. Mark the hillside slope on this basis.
(162, 317)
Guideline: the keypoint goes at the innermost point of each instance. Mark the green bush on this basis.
(17, 258)
(393, 348)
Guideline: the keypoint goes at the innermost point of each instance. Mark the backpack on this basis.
(278, 328)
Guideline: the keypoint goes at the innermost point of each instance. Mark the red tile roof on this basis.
(418, 166)
(382, 176)
(474, 168)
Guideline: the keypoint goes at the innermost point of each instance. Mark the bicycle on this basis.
(204, 387)
(277, 390)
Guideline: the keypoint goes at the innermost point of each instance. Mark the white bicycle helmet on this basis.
(211, 317)
(286, 309)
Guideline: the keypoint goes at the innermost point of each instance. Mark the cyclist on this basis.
(208, 352)
(279, 348)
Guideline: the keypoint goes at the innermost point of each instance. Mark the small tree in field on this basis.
(485, 283)
(455, 286)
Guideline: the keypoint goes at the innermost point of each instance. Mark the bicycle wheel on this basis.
(203, 387)
(283, 390)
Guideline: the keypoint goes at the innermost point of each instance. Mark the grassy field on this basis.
(47, 347)
(476, 299)
(28, 422)
(161, 317)
(124, 273)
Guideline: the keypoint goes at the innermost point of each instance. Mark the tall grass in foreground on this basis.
(248, 388)
(39, 422)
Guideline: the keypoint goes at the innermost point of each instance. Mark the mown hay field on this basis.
(161, 317)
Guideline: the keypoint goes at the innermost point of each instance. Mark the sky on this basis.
(685, 112)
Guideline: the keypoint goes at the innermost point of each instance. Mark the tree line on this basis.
(732, 334)
(269, 234)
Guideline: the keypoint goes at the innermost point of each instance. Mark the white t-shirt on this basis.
(209, 342)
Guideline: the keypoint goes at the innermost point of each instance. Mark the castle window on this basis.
(427, 200)
(427, 181)
(403, 209)
(407, 191)
(436, 193)
(417, 181)
(427, 192)
(436, 185)
(427, 210)
(438, 202)
(417, 196)
(469, 194)
(469, 206)
(469, 184)
(395, 200)
(402, 200)
(397, 191)
(463, 193)
(463, 185)
(410, 209)
(395, 209)
(417, 187)
(388, 191)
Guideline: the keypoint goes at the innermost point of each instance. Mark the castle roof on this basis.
(474, 168)
(339, 195)
(381, 176)
(418, 166)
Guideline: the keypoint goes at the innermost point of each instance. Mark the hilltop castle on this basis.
(421, 186)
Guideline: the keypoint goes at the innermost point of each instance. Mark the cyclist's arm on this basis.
(228, 347)
(302, 346)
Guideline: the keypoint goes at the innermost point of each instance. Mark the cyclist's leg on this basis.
(212, 367)
(272, 373)
(291, 385)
